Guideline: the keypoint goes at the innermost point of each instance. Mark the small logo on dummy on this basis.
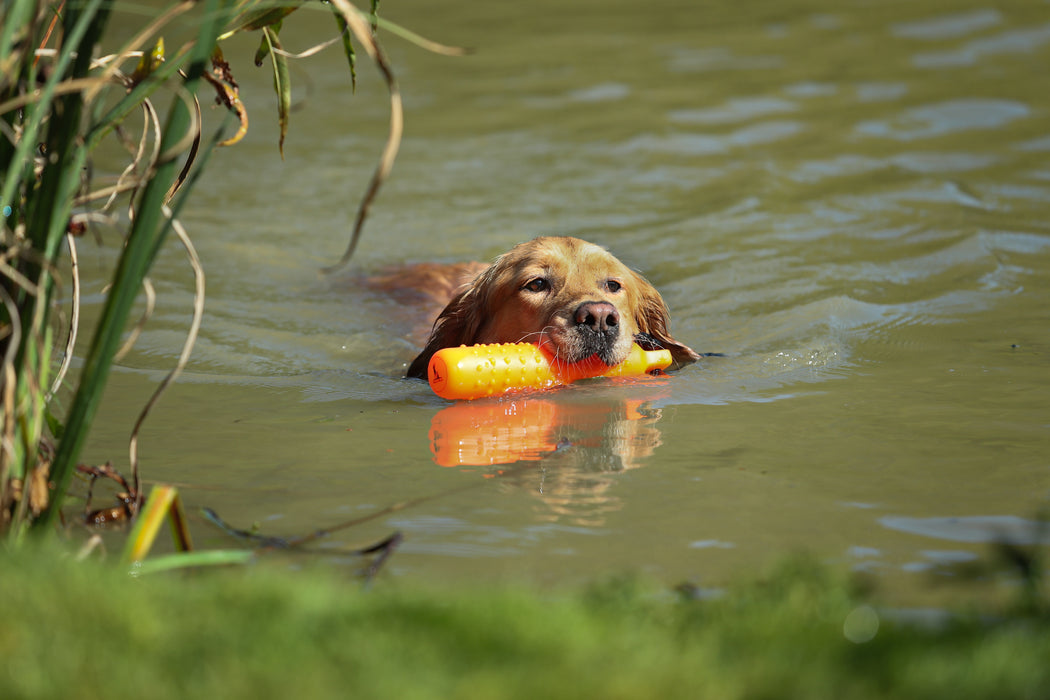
(437, 374)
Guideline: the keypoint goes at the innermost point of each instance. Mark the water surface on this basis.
(849, 200)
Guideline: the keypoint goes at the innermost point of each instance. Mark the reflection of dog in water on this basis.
(565, 451)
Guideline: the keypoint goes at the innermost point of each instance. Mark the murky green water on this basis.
(850, 200)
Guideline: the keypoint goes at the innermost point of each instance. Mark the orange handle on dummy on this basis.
(474, 371)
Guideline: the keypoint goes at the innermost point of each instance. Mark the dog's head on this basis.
(568, 295)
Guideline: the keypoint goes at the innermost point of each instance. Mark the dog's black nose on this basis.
(599, 316)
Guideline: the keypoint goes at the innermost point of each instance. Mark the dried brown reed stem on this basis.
(14, 337)
(363, 31)
(74, 318)
(187, 346)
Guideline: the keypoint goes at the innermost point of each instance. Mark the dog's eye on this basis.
(540, 284)
(613, 286)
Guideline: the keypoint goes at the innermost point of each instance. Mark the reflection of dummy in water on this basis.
(565, 451)
(598, 441)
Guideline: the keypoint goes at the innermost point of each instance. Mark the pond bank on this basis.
(81, 630)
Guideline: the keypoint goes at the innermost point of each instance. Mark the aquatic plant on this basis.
(63, 97)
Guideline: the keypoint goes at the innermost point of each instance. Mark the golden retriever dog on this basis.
(570, 296)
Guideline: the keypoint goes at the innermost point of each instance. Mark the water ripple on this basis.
(945, 118)
(735, 110)
(1014, 41)
(711, 144)
(980, 528)
(948, 26)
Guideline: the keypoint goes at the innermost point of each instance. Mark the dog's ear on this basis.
(457, 324)
(652, 318)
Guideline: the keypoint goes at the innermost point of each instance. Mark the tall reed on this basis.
(61, 98)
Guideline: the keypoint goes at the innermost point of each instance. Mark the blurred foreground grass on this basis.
(88, 631)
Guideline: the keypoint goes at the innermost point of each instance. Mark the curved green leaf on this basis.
(281, 81)
(184, 560)
(262, 17)
(348, 46)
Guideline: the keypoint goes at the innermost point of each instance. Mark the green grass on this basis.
(87, 631)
